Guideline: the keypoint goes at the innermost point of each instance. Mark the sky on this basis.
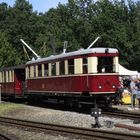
(39, 5)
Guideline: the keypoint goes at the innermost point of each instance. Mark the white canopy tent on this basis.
(124, 71)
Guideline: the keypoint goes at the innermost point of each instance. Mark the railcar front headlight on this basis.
(113, 86)
(100, 86)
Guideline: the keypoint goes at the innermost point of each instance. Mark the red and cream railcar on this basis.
(83, 73)
(11, 80)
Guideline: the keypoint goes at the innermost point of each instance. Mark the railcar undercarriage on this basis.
(104, 101)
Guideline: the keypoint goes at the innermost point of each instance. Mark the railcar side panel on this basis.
(7, 88)
(57, 84)
(75, 84)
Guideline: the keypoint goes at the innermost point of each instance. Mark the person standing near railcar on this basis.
(138, 91)
(133, 89)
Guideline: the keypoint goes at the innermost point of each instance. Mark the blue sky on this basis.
(39, 5)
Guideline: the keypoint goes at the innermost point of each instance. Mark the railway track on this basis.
(126, 115)
(4, 137)
(82, 132)
(122, 114)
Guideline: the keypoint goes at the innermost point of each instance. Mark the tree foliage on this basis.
(7, 53)
(79, 22)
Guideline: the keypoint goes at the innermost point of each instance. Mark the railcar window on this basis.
(39, 70)
(62, 68)
(0, 77)
(105, 64)
(7, 77)
(85, 65)
(46, 70)
(53, 68)
(71, 66)
(12, 76)
(34, 71)
(28, 72)
(4, 76)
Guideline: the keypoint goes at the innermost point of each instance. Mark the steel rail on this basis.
(4, 137)
(127, 115)
(83, 132)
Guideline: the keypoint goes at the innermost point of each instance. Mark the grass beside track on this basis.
(7, 107)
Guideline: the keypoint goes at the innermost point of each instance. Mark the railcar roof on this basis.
(14, 67)
(75, 53)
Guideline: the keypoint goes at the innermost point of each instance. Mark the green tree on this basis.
(8, 55)
(22, 22)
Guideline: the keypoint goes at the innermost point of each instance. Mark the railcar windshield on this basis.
(105, 65)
